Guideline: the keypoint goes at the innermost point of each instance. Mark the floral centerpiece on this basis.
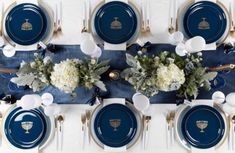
(167, 72)
(66, 75)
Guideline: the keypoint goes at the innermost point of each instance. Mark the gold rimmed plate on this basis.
(205, 18)
(115, 22)
(26, 129)
(27, 24)
(115, 125)
(201, 126)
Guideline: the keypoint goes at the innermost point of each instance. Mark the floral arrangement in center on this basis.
(167, 72)
(66, 75)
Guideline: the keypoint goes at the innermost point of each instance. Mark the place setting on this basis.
(116, 24)
(30, 124)
(115, 125)
(212, 20)
(29, 25)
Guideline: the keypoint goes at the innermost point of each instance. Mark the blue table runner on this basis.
(118, 88)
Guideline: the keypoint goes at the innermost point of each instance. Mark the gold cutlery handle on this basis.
(221, 68)
(7, 70)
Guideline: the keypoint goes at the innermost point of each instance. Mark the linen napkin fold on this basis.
(7, 148)
(113, 101)
(208, 102)
(196, 150)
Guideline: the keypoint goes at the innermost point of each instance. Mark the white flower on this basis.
(170, 77)
(47, 60)
(65, 76)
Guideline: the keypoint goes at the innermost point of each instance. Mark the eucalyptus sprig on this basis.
(34, 74)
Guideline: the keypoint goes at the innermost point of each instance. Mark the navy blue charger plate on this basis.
(25, 129)
(115, 22)
(203, 126)
(115, 125)
(26, 24)
(206, 19)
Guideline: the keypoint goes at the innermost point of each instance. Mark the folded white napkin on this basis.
(113, 101)
(196, 150)
(7, 148)
(108, 46)
(111, 149)
(208, 102)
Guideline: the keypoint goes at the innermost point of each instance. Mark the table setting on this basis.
(117, 76)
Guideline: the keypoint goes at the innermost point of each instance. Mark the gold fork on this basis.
(168, 120)
(172, 117)
(88, 117)
(83, 120)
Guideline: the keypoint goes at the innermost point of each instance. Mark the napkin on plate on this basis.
(6, 148)
(202, 102)
(113, 101)
(196, 150)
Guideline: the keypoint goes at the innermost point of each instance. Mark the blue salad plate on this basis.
(204, 18)
(201, 126)
(115, 125)
(115, 22)
(27, 24)
(26, 129)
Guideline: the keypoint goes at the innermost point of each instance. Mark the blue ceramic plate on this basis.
(26, 24)
(115, 125)
(115, 22)
(26, 129)
(203, 126)
(206, 19)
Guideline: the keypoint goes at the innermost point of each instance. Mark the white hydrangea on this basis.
(170, 77)
(65, 76)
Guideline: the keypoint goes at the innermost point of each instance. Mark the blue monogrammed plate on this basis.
(115, 22)
(26, 24)
(116, 125)
(206, 19)
(26, 129)
(201, 126)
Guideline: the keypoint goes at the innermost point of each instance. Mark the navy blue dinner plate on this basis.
(206, 19)
(203, 126)
(26, 24)
(25, 129)
(115, 22)
(115, 125)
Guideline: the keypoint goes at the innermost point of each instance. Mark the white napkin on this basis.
(196, 150)
(125, 1)
(208, 102)
(6, 148)
(111, 149)
(206, 0)
(113, 101)
(108, 46)
(107, 102)
(26, 1)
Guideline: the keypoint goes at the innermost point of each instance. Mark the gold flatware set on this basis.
(85, 120)
(170, 128)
